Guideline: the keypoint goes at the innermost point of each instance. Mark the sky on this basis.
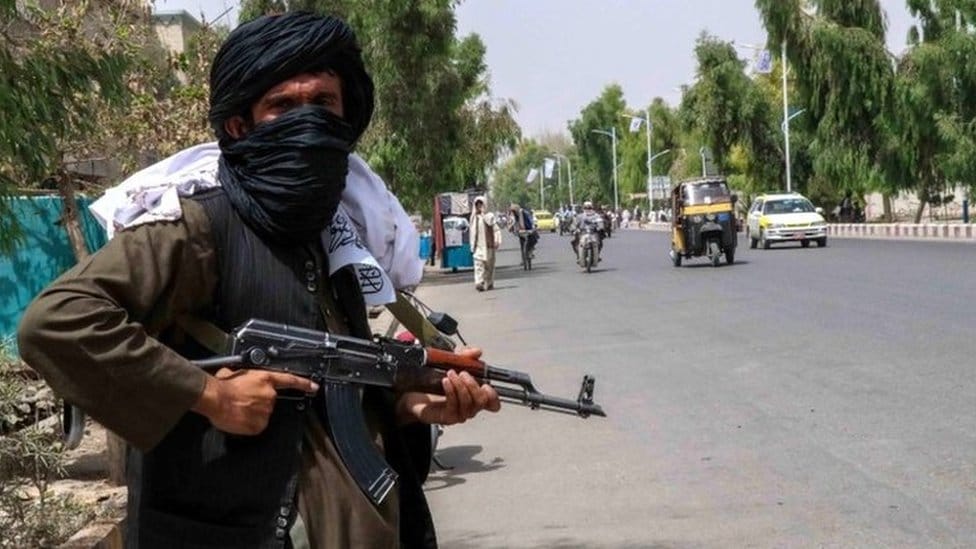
(553, 57)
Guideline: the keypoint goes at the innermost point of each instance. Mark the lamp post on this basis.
(786, 112)
(569, 165)
(647, 130)
(650, 187)
(613, 135)
(701, 152)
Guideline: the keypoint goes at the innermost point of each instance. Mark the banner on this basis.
(531, 177)
(635, 124)
(550, 164)
(763, 63)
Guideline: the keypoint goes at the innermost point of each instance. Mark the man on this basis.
(589, 218)
(485, 239)
(219, 461)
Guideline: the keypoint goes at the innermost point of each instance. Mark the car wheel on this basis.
(730, 255)
(762, 239)
(822, 242)
(675, 258)
(805, 243)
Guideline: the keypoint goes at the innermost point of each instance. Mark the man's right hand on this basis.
(240, 402)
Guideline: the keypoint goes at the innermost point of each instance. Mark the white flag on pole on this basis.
(550, 164)
(531, 177)
(763, 64)
(635, 124)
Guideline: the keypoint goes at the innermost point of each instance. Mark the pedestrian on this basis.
(217, 460)
(485, 240)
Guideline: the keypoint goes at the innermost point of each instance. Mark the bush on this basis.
(31, 457)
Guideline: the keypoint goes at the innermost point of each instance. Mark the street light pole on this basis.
(650, 176)
(650, 185)
(569, 167)
(786, 113)
(613, 135)
(786, 123)
(542, 186)
(650, 171)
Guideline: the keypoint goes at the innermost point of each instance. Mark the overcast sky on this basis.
(555, 56)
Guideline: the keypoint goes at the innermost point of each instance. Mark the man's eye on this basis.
(283, 104)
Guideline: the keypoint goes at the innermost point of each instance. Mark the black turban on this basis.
(263, 53)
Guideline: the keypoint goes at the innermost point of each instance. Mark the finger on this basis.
(493, 403)
(470, 352)
(226, 373)
(451, 412)
(466, 385)
(281, 380)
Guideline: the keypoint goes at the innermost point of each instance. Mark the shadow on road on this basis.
(461, 460)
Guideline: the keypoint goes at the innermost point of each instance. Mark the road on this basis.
(799, 398)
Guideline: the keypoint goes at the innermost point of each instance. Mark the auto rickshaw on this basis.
(704, 222)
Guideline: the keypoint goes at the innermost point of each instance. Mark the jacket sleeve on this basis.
(90, 333)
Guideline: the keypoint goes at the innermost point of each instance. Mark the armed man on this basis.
(218, 460)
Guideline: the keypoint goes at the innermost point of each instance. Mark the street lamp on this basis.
(569, 165)
(701, 151)
(647, 128)
(613, 135)
(650, 188)
(786, 110)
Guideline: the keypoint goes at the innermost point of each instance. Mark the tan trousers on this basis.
(484, 270)
(333, 512)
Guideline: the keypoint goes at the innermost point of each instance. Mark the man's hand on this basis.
(463, 399)
(240, 402)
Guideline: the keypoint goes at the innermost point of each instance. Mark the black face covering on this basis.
(285, 177)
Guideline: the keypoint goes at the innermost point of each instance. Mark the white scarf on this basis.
(370, 229)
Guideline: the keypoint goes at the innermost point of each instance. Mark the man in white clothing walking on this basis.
(485, 240)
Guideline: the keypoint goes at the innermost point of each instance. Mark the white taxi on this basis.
(787, 217)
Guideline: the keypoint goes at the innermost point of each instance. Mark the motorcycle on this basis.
(588, 249)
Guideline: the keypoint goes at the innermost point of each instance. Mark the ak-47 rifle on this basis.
(339, 363)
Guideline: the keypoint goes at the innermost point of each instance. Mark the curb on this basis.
(882, 231)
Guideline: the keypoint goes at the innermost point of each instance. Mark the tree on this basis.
(844, 77)
(595, 173)
(935, 106)
(436, 127)
(51, 64)
(509, 185)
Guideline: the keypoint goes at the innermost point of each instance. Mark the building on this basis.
(175, 28)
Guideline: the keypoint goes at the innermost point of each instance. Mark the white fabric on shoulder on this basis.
(371, 230)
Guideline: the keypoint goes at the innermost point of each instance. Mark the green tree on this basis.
(509, 185)
(843, 76)
(51, 63)
(595, 173)
(436, 127)
(935, 106)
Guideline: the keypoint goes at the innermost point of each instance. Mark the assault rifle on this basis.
(340, 364)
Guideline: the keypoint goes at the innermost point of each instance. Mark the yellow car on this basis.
(786, 217)
(544, 221)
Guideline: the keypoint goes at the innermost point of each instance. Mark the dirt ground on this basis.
(86, 476)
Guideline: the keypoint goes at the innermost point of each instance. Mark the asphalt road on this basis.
(799, 398)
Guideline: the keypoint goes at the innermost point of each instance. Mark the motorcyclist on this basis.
(586, 219)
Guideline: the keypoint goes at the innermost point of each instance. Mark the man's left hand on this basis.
(462, 400)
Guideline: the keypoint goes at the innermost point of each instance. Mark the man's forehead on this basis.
(325, 80)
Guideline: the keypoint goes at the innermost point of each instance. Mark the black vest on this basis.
(202, 488)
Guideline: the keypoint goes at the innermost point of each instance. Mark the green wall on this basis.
(40, 257)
